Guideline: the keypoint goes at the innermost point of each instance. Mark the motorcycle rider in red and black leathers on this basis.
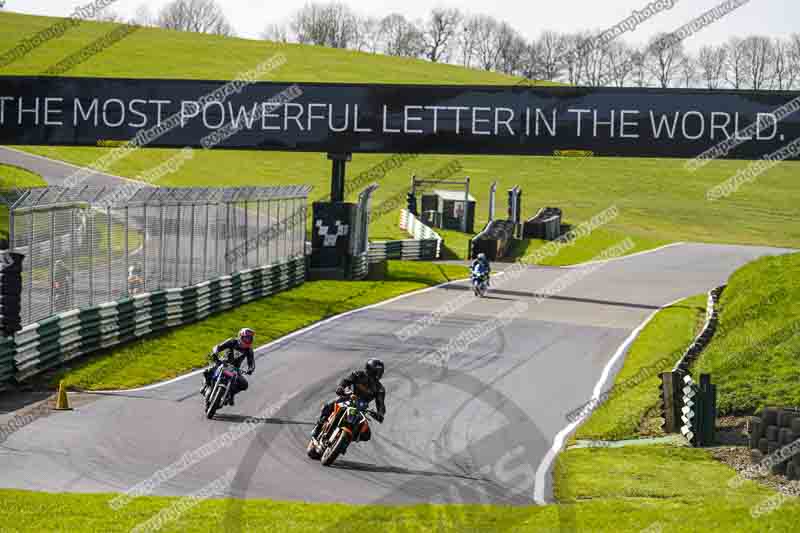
(238, 348)
(367, 386)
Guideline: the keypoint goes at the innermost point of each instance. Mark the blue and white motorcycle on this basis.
(480, 281)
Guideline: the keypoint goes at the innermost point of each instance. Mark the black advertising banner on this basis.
(397, 118)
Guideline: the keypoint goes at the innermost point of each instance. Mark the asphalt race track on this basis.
(472, 427)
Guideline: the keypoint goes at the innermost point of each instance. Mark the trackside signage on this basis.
(396, 118)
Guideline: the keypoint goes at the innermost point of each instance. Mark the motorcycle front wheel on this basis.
(213, 405)
(333, 451)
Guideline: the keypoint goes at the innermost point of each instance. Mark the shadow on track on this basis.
(565, 298)
(366, 467)
(241, 419)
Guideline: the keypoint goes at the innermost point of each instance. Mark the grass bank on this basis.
(754, 354)
(177, 351)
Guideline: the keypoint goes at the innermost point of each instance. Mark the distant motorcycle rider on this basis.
(367, 386)
(484, 267)
(238, 349)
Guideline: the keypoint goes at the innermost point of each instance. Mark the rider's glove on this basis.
(339, 391)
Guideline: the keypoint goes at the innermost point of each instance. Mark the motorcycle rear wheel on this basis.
(312, 452)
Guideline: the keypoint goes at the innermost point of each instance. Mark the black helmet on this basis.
(374, 368)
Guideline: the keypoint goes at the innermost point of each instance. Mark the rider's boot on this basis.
(316, 430)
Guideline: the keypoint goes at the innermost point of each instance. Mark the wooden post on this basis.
(671, 396)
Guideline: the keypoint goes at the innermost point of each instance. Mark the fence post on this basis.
(110, 248)
(258, 232)
(127, 255)
(72, 256)
(162, 247)
(464, 217)
(52, 260)
(90, 238)
(285, 227)
(191, 248)
(32, 220)
(144, 248)
(269, 233)
(216, 243)
(279, 231)
(227, 237)
(671, 401)
(178, 247)
(246, 235)
(205, 244)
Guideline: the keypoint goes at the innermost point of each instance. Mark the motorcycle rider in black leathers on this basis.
(366, 385)
(238, 348)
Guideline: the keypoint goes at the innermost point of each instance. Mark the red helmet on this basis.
(246, 336)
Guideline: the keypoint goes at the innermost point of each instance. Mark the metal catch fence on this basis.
(85, 246)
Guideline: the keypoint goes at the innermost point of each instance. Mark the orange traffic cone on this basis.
(62, 403)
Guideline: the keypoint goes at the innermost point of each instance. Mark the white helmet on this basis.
(246, 336)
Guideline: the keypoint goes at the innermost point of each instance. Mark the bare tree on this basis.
(402, 38)
(201, 16)
(511, 50)
(143, 16)
(664, 59)
(734, 66)
(468, 40)
(368, 35)
(595, 62)
(275, 32)
(759, 62)
(620, 61)
(486, 51)
(784, 70)
(531, 61)
(439, 32)
(333, 24)
(550, 47)
(688, 71)
(571, 57)
(711, 61)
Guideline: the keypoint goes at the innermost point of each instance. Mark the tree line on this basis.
(449, 35)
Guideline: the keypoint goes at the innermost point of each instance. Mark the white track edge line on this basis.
(558, 441)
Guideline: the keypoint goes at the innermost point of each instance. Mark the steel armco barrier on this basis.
(426, 244)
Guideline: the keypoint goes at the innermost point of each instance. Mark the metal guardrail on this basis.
(426, 244)
(406, 250)
(54, 340)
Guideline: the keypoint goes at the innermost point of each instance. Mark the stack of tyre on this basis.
(773, 429)
(10, 292)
